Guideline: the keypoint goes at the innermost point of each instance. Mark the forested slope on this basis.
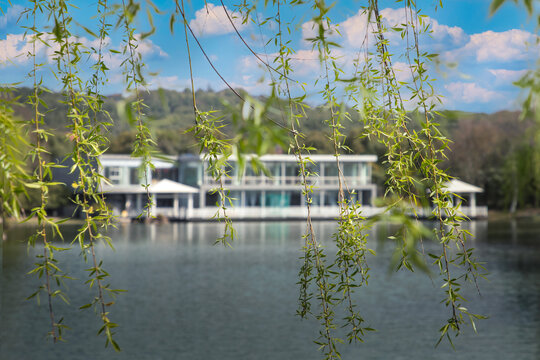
(489, 150)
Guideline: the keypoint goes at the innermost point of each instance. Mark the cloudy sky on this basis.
(486, 53)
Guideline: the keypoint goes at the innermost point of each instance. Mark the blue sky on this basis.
(490, 52)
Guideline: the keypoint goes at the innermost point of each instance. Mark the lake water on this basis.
(189, 299)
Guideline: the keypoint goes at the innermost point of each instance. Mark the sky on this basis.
(480, 56)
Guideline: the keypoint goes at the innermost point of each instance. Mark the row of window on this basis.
(288, 198)
(118, 175)
(191, 173)
(247, 199)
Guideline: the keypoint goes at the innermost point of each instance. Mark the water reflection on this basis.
(261, 232)
(189, 299)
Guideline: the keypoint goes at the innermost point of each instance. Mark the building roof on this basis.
(169, 160)
(167, 186)
(161, 162)
(458, 186)
(292, 158)
(164, 186)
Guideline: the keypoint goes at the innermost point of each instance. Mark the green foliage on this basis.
(217, 151)
(13, 147)
(529, 185)
(496, 4)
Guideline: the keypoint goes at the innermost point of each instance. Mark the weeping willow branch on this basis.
(144, 144)
(46, 266)
(89, 144)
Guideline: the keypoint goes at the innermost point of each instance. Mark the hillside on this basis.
(484, 151)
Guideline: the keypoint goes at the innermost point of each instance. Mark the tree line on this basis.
(492, 151)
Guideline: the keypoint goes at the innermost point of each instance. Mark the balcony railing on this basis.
(470, 212)
(289, 180)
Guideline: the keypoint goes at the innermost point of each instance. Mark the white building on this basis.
(127, 195)
(189, 192)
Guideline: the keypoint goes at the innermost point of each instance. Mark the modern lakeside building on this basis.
(182, 189)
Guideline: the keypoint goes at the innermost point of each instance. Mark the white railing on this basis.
(292, 212)
(477, 212)
(290, 180)
(168, 212)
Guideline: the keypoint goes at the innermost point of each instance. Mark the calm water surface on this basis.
(189, 299)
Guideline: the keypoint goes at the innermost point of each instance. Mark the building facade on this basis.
(189, 191)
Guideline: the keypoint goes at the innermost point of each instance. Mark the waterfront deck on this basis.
(288, 213)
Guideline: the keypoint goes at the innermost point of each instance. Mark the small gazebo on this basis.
(468, 192)
(170, 199)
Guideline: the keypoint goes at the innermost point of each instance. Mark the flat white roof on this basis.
(292, 158)
(164, 186)
(458, 186)
(163, 162)
(167, 186)
(320, 158)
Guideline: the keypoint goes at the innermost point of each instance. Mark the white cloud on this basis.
(253, 88)
(167, 82)
(213, 20)
(249, 62)
(310, 30)
(402, 71)
(174, 82)
(506, 46)
(394, 17)
(355, 28)
(111, 60)
(504, 76)
(442, 33)
(146, 47)
(471, 93)
(11, 15)
(305, 62)
(439, 36)
(15, 49)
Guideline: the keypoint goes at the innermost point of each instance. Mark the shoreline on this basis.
(493, 215)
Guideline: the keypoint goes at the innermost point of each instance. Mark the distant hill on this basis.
(483, 148)
(168, 113)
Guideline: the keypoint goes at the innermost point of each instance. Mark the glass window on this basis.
(291, 172)
(190, 174)
(330, 169)
(315, 198)
(291, 169)
(296, 198)
(350, 169)
(235, 197)
(165, 173)
(331, 198)
(366, 197)
(253, 198)
(212, 199)
(276, 199)
(274, 170)
(313, 168)
(164, 202)
(134, 177)
(113, 174)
